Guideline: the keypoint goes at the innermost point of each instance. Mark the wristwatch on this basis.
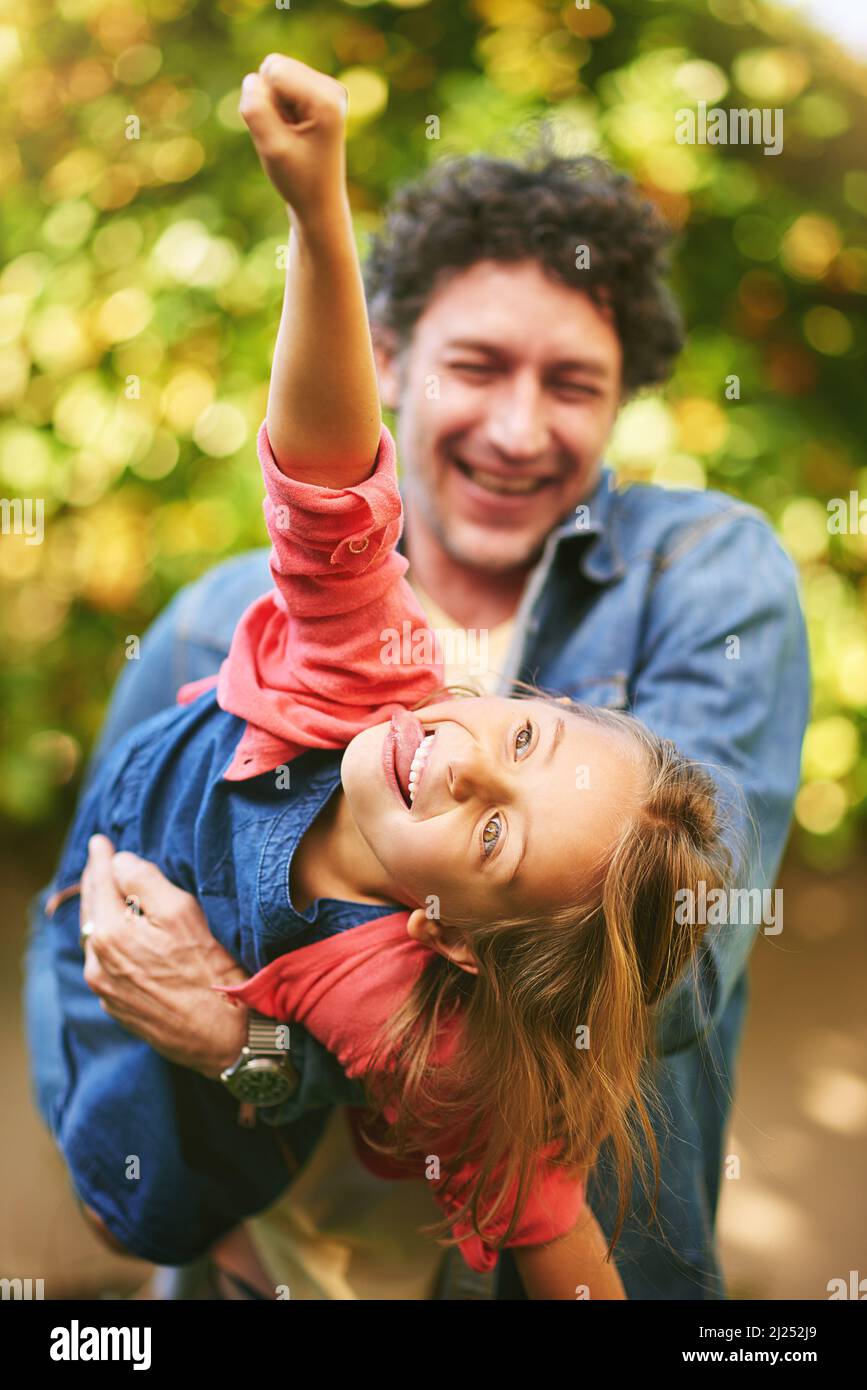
(263, 1074)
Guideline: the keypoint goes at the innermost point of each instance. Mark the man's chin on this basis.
(491, 550)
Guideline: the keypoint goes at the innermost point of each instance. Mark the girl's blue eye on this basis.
(488, 843)
(528, 730)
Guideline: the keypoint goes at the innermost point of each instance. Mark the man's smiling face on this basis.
(506, 396)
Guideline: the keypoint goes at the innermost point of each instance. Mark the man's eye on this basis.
(525, 729)
(472, 366)
(579, 387)
(489, 836)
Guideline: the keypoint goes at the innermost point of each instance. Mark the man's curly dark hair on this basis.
(478, 207)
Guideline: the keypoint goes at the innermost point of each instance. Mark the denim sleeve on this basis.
(724, 672)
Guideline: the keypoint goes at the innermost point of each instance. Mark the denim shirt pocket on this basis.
(128, 823)
(108, 808)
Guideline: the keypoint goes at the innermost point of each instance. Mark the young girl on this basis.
(528, 851)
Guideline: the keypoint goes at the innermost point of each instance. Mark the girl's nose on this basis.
(472, 772)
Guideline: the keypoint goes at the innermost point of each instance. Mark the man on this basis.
(514, 309)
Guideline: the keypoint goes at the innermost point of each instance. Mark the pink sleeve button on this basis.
(358, 547)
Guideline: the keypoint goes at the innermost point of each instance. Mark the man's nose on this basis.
(517, 425)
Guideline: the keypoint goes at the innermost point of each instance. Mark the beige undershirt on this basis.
(472, 656)
(340, 1232)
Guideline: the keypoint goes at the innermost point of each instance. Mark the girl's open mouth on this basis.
(404, 753)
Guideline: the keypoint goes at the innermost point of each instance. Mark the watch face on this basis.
(262, 1081)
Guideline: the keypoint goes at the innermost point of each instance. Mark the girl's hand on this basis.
(297, 119)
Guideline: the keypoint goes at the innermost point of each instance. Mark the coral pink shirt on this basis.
(343, 990)
(305, 670)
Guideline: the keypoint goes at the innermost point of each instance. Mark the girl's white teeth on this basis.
(418, 763)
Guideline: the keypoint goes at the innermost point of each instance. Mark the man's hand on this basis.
(296, 117)
(154, 972)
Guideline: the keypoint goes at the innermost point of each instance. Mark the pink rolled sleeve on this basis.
(312, 662)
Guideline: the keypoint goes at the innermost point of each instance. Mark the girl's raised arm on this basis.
(323, 417)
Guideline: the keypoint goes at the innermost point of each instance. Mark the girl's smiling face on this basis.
(515, 804)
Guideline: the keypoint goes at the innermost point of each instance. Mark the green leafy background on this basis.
(148, 251)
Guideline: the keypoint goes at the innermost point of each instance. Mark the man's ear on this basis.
(446, 941)
(387, 368)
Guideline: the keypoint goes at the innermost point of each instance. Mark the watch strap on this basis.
(262, 1035)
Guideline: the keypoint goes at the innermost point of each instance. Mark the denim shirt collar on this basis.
(600, 560)
(315, 776)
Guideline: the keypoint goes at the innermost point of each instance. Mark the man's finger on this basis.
(95, 977)
(135, 960)
(149, 889)
(101, 902)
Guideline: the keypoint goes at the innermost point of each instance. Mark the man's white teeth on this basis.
(418, 763)
(497, 482)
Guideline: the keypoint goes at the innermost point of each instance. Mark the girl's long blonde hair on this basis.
(519, 1081)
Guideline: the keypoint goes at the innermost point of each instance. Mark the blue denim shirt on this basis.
(633, 604)
(168, 1190)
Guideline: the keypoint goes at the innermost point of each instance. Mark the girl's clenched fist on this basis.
(297, 119)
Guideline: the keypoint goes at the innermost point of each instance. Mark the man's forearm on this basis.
(324, 417)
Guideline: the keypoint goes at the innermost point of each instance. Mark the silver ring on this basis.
(86, 931)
